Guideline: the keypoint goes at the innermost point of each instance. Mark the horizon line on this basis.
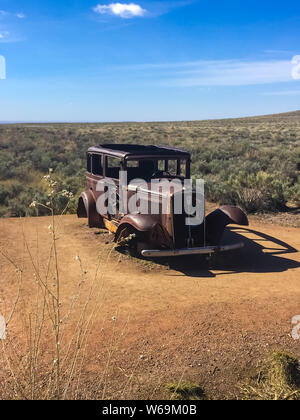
(142, 121)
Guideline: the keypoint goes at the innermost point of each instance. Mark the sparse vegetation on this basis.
(251, 162)
(185, 391)
(279, 380)
(45, 361)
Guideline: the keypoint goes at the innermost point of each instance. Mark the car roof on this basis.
(137, 150)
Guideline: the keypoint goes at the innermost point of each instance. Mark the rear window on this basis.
(89, 163)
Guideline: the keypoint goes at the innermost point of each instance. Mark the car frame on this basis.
(159, 234)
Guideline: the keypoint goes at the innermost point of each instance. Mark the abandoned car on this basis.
(124, 174)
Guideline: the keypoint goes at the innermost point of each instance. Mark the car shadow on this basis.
(262, 253)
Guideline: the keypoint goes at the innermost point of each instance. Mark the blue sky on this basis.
(148, 60)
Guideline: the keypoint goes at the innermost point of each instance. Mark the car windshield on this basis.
(155, 168)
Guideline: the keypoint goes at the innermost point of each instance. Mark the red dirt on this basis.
(209, 323)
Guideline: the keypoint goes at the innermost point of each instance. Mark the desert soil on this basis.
(211, 322)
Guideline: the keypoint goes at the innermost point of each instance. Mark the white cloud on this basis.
(3, 35)
(18, 15)
(237, 73)
(123, 10)
(219, 72)
(282, 93)
(278, 52)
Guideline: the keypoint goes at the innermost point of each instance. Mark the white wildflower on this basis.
(66, 194)
(51, 193)
(33, 204)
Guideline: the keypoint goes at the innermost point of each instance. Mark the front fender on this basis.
(220, 218)
(142, 223)
(150, 230)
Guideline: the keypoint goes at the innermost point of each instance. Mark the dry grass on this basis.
(279, 380)
(44, 352)
(185, 391)
(45, 346)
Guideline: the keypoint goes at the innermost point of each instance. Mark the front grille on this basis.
(181, 230)
(179, 227)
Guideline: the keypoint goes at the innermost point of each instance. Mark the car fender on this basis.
(142, 223)
(87, 208)
(220, 218)
(148, 226)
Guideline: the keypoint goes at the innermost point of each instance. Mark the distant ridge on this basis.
(290, 114)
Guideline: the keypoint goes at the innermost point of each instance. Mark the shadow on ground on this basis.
(261, 254)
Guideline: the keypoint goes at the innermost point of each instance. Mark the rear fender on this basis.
(87, 208)
(220, 218)
(82, 207)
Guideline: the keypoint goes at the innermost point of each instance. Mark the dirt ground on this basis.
(211, 322)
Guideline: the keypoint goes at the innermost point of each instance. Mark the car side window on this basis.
(172, 167)
(97, 164)
(182, 168)
(112, 167)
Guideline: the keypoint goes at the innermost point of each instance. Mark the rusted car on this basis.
(154, 233)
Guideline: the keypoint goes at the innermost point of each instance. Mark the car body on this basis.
(163, 232)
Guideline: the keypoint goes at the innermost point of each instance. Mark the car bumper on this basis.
(190, 251)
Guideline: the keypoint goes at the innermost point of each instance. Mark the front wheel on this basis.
(127, 237)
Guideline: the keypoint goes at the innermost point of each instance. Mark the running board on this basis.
(190, 251)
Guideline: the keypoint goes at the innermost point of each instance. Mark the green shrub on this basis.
(253, 163)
